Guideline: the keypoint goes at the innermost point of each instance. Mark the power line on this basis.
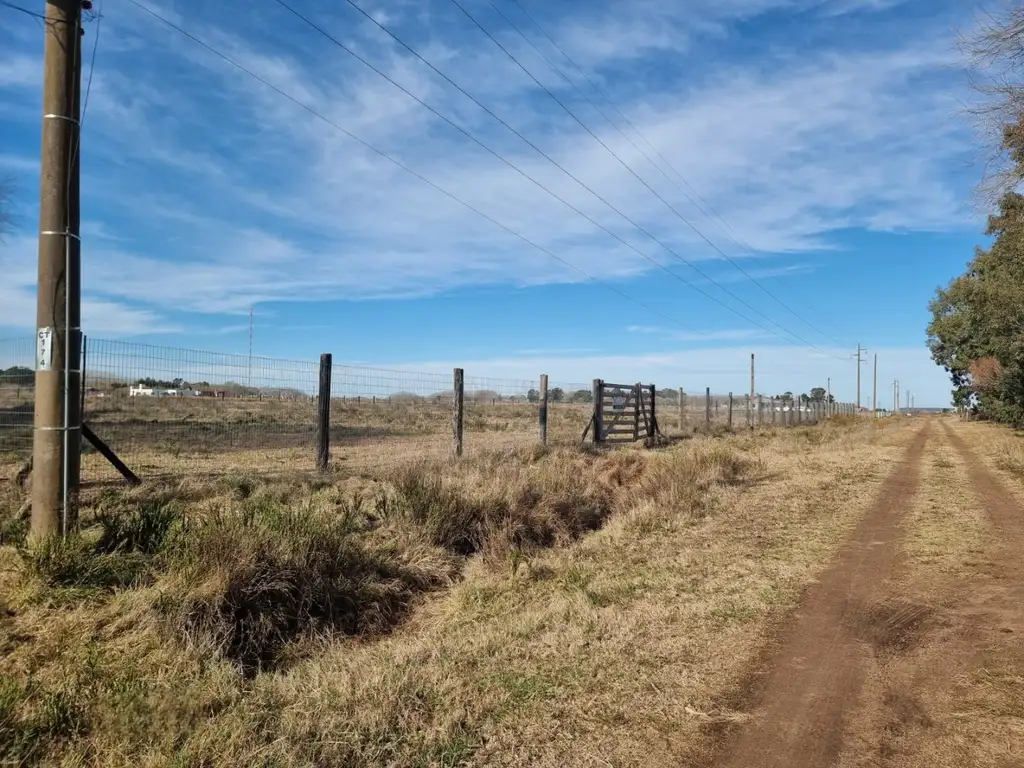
(26, 11)
(381, 153)
(545, 155)
(639, 178)
(522, 173)
(734, 237)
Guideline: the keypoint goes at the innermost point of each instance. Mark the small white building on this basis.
(140, 391)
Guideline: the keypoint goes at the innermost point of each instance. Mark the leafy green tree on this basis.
(556, 394)
(581, 396)
(818, 394)
(533, 396)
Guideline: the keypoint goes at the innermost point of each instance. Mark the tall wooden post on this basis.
(760, 410)
(707, 405)
(874, 390)
(598, 417)
(57, 424)
(544, 408)
(323, 414)
(458, 405)
(728, 418)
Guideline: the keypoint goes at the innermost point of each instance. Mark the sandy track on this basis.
(819, 664)
(909, 650)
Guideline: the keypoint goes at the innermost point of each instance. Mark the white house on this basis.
(140, 390)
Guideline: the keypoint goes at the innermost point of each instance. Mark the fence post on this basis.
(652, 425)
(458, 402)
(543, 408)
(682, 409)
(323, 420)
(598, 418)
(638, 397)
(774, 412)
(750, 410)
(728, 418)
(760, 410)
(707, 405)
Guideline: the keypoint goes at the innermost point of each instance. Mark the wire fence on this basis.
(17, 395)
(171, 412)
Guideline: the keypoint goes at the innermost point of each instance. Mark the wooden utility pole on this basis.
(56, 439)
(750, 402)
(874, 391)
(828, 395)
(860, 351)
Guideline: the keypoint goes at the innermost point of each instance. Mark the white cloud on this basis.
(18, 300)
(258, 201)
(735, 334)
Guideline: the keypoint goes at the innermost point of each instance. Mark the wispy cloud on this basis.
(736, 334)
(222, 194)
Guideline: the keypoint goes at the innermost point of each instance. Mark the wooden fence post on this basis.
(707, 405)
(598, 417)
(459, 381)
(652, 424)
(774, 412)
(544, 408)
(760, 410)
(682, 409)
(323, 420)
(728, 417)
(750, 410)
(638, 397)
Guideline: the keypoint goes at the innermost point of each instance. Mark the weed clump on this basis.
(249, 585)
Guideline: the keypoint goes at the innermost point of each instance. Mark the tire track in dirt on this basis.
(818, 667)
(947, 701)
(1000, 504)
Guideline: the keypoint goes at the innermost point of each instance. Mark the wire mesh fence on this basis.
(171, 412)
(17, 396)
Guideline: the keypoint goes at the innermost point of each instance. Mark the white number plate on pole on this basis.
(44, 349)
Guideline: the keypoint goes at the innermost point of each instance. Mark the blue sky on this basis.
(827, 134)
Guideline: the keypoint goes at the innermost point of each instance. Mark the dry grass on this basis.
(526, 608)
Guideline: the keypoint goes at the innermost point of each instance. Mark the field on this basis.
(534, 606)
(164, 437)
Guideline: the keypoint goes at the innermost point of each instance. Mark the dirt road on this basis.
(908, 649)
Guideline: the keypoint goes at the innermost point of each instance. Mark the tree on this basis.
(994, 56)
(974, 332)
(818, 394)
(533, 396)
(556, 394)
(581, 396)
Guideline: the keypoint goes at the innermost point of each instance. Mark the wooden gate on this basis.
(623, 413)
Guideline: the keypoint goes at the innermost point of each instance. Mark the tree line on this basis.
(976, 330)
